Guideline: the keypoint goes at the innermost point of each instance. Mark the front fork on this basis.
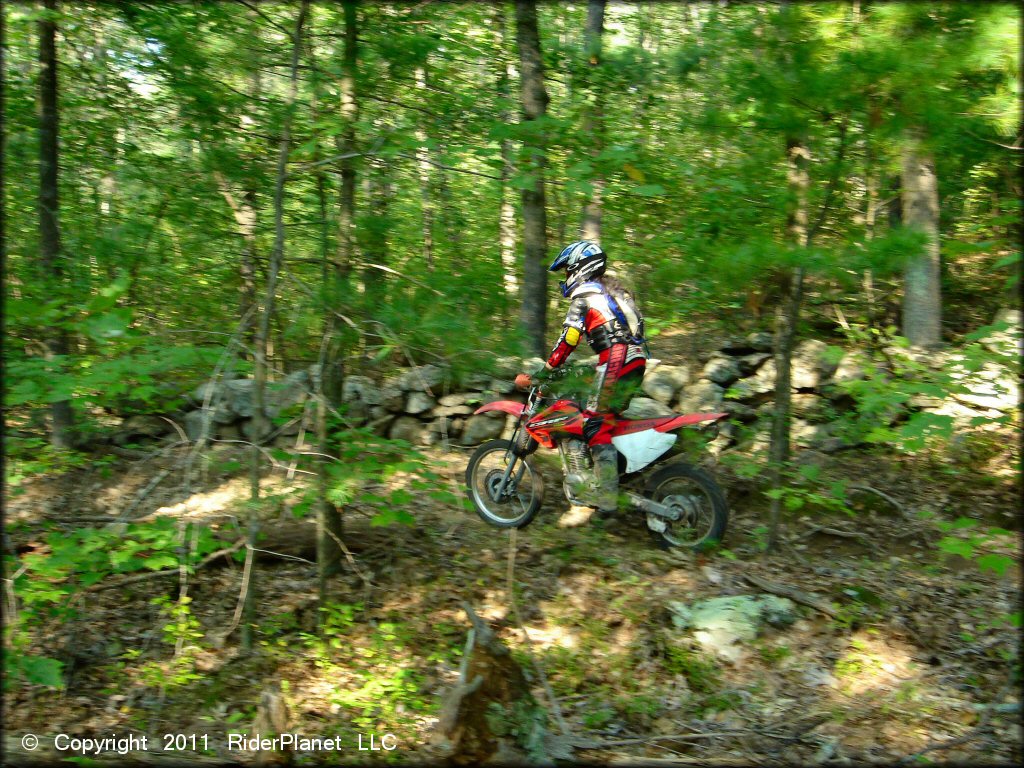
(508, 484)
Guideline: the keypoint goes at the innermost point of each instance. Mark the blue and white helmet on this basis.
(582, 261)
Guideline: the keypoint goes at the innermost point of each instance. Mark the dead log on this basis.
(491, 714)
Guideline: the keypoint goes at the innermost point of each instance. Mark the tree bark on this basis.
(425, 172)
(379, 192)
(787, 315)
(346, 145)
(318, 169)
(328, 518)
(922, 295)
(533, 310)
(506, 215)
(263, 330)
(593, 122)
(51, 258)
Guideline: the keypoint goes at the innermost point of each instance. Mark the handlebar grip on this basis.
(523, 381)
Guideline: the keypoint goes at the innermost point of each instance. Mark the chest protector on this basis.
(607, 317)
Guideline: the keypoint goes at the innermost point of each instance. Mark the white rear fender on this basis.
(641, 448)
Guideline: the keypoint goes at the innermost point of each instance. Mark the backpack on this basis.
(626, 312)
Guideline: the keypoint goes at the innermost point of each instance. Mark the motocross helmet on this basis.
(582, 261)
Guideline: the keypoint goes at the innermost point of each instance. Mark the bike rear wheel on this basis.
(523, 494)
(700, 503)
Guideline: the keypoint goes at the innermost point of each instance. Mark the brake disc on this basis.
(492, 482)
(687, 508)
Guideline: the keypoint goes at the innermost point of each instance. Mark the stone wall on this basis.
(417, 404)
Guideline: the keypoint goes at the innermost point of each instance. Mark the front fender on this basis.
(508, 406)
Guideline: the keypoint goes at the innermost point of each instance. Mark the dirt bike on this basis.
(684, 506)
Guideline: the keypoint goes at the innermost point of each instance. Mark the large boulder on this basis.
(292, 389)
(418, 402)
(360, 389)
(807, 435)
(852, 367)
(812, 364)
(458, 398)
(507, 367)
(421, 377)
(477, 381)
(750, 363)
(761, 383)
(141, 426)
(199, 424)
(761, 341)
(407, 428)
(736, 345)
(391, 396)
(484, 426)
(646, 408)
(739, 411)
(809, 406)
(665, 381)
(722, 370)
(702, 395)
(237, 396)
(501, 386)
(725, 626)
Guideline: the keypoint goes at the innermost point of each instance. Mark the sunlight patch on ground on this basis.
(544, 637)
(872, 662)
(227, 495)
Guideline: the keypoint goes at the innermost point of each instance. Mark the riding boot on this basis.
(606, 473)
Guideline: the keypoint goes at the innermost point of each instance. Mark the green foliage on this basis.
(86, 556)
(805, 489)
(886, 409)
(366, 462)
(702, 675)
(961, 540)
(32, 669)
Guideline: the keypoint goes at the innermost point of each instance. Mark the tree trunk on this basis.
(593, 120)
(346, 145)
(786, 317)
(533, 312)
(51, 258)
(378, 189)
(318, 169)
(263, 329)
(3, 140)
(922, 298)
(507, 215)
(328, 518)
(454, 222)
(422, 155)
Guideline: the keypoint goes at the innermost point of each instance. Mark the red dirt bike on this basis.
(684, 506)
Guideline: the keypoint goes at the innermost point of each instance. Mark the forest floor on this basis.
(919, 659)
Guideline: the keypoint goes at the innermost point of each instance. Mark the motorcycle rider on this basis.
(605, 311)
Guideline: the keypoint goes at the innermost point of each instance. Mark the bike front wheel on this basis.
(524, 490)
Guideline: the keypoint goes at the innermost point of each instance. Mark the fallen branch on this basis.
(868, 489)
(143, 494)
(793, 594)
(166, 572)
(836, 532)
(674, 737)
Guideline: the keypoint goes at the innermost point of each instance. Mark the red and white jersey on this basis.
(590, 313)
